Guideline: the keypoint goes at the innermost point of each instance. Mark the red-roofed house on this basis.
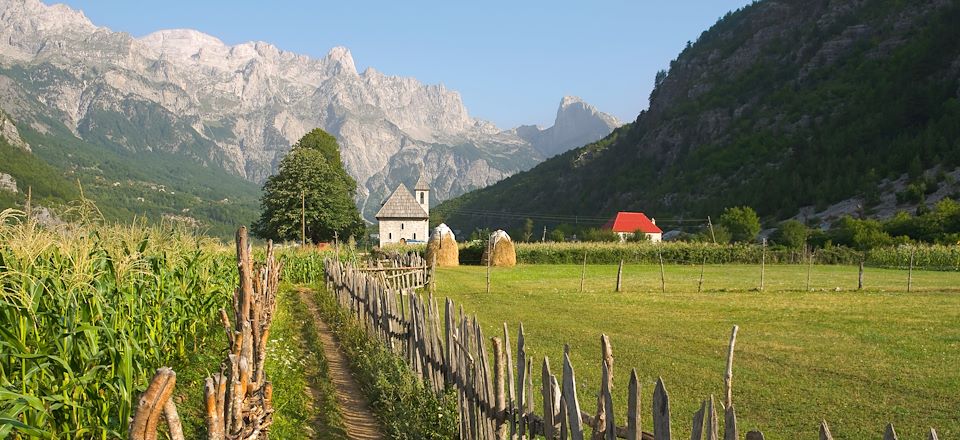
(625, 224)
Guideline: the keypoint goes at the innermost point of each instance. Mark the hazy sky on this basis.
(512, 61)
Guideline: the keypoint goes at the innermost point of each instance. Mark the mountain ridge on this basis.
(779, 106)
(240, 107)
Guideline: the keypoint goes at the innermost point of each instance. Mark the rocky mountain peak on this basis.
(577, 123)
(181, 43)
(341, 60)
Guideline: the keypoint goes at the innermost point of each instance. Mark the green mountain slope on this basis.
(780, 105)
(152, 185)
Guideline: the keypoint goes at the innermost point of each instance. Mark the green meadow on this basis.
(858, 359)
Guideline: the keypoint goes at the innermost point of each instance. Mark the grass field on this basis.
(856, 359)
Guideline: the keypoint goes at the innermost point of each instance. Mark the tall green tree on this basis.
(742, 222)
(311, 182)
(791, 234)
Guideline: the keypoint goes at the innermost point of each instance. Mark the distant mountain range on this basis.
(197, 103)
(807, 109)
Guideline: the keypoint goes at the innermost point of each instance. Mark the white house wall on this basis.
(391, 231)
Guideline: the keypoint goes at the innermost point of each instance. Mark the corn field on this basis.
(88, 313)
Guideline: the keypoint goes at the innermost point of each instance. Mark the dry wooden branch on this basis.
(152, 402)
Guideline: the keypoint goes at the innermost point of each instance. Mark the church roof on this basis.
(401, 204)
(422, 184)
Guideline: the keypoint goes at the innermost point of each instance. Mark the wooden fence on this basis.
(496, 399)
(238, 399)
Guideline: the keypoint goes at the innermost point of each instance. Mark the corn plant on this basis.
(88, 312)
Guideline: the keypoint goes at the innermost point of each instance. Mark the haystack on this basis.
(443, 244)
(504, 253)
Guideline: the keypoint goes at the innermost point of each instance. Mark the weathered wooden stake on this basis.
(661, 412)
(702, 266)
(728, 377)
(663, 281)
(634, 430)
(583, 270)
(825, 431)
(860, 276)
(932, 435)
(890, 433)
(489, 259)
(810, 266)
(499, 371)
(763, 261)
(620, 276)
(913, 250)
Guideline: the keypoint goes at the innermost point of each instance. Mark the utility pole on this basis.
(303, 218)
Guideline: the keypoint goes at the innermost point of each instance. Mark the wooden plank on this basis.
(890, 433)
(932, 435)
(711, 421)
(529, 393)
(661, 412)
(634, 430)
(697, 432)
(730, 424)
(825, 431)
(606, 360)
(610, 427)
(620, 276)
(547, 393)
(499, 371)
(573, 404)
(511, 386)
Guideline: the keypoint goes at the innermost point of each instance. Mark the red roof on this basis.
(632, 222)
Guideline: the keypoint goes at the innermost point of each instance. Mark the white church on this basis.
(404, 217)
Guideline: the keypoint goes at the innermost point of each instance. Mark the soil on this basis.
(358, 419)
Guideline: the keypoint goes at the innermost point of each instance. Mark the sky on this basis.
(511, 61)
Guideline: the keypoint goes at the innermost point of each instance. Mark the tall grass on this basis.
(88, 312)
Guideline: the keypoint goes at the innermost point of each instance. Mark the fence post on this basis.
(570, 394)
(583, 270)
(860, 276)
(661, 412)
(702, 266)
(498, 387)
(620, 276)
(663, 281)
(810, 258)
(634, 430)
(913, 250)
(763, 261)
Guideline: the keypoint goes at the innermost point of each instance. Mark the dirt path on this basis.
(358, 419)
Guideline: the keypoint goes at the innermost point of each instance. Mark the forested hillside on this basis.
(780, 105)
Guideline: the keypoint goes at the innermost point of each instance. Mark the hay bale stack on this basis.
(443, 245)
(504, 253)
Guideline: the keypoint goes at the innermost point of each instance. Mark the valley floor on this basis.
(858, 359)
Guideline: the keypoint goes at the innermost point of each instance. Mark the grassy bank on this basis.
(856, 359)
(406, 408)
(303, 395)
